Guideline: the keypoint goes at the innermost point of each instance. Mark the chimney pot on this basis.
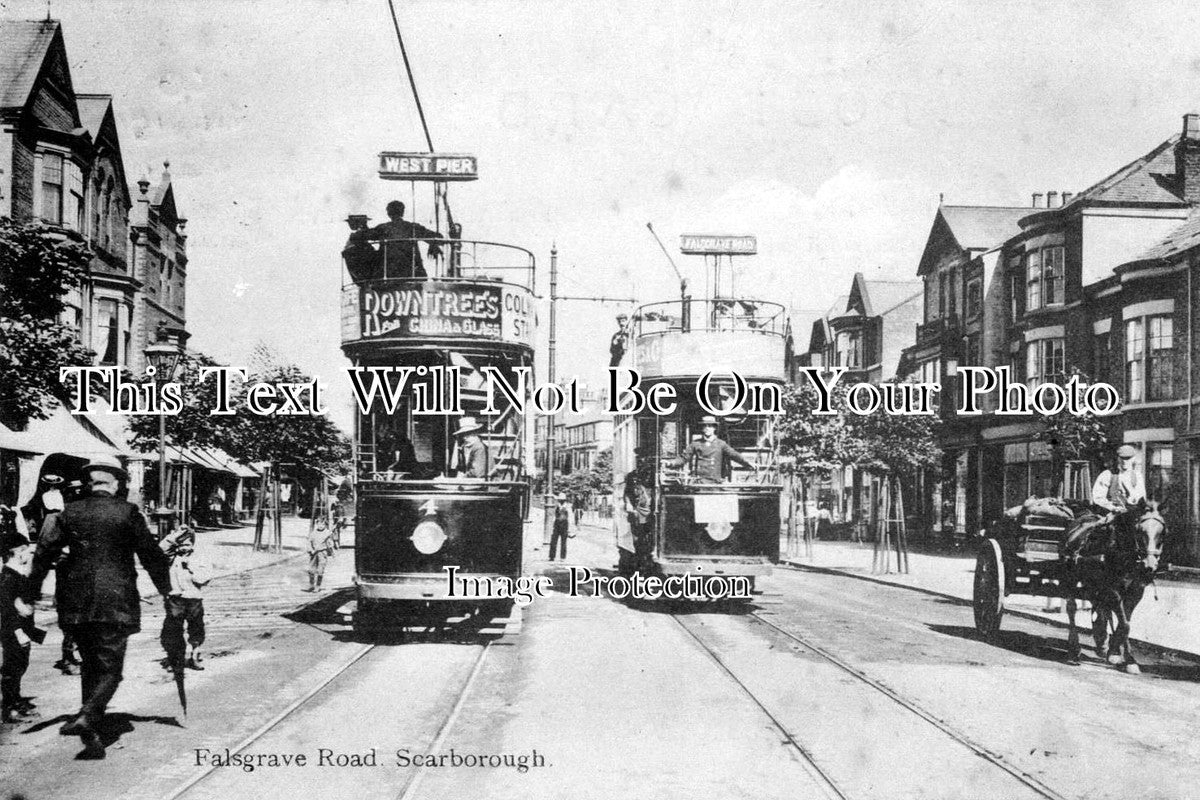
(1037, 200)
(1191, 126)
(1051, 199)
(1066, 197)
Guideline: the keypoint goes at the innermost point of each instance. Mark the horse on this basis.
(1116, 582)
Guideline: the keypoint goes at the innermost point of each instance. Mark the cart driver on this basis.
(1114, 491)
(709, 457)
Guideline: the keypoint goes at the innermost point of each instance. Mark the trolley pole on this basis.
(548, 502)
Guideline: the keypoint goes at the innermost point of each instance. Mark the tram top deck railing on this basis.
(707, 316)
(366, 260)
(688, 338)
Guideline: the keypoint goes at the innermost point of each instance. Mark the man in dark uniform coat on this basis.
(401, 255)
(709, 457)
(97, 538)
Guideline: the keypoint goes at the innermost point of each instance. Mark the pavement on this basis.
(1167, 616)
(225, 550)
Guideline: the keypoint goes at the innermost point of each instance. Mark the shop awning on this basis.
(61, 432)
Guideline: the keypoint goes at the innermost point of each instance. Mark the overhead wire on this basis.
(412, 82)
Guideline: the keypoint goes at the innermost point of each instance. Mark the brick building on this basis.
(1100, 282)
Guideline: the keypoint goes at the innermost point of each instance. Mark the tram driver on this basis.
(473, 454)
(708, 458)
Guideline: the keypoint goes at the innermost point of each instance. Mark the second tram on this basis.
(706, 525)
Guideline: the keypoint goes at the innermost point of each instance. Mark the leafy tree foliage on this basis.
(595, 481)
(309, 440)
(38, 265)
(1079, 438)
(878, 442)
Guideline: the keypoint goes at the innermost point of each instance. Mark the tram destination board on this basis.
(714, 244)
(445, 309)
(395, 166)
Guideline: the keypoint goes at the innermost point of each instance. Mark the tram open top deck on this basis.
(687, 338)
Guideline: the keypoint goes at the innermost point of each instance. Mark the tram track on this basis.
(413, 779)
(192, 782)
(996, 759)
(821, 778)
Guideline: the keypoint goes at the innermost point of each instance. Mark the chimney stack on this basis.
(1037, 200)
(1187, 159)
(1066, 197)
(1051, 199)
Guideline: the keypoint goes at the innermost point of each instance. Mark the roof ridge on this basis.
(1124, 172)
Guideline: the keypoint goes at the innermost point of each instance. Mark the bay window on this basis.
(1045, 361)
(52, 188)
(1045, 274)
(1149, 353)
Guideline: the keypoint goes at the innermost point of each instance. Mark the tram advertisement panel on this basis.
(445, 309)
(721, 523)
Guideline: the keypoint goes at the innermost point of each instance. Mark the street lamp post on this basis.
(163, 358)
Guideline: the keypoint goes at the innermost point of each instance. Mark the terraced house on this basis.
(1102, 282)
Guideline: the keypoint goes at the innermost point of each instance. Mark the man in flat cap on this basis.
(1115, 490)
(97, 538)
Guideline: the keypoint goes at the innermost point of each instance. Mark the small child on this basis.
(184, 604)
(320, 548)
(17, 630)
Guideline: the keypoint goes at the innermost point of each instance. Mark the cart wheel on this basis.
(989, 589)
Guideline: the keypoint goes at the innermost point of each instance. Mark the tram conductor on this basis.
(709, 458)
(401, 254)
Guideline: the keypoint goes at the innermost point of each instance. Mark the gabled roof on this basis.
(876, 298)
(970, 228)
(1150, 179)
(982, 227)
(821, 332)
(92, 110)
(27, 49)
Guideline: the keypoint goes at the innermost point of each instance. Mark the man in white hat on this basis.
(709, 457)
(1113, 492)
(473, 453)
(97, 537)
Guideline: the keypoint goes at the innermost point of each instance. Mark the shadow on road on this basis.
(1054, 649)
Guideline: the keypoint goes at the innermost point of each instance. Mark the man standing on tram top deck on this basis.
(709, 457)
(401, 255)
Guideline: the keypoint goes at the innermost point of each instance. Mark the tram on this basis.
(424, 506)
(696, 526)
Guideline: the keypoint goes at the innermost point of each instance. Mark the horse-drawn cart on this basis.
(1022, 555)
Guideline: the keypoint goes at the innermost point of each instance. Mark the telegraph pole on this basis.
(548, 501)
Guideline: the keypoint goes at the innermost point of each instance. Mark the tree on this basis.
(310, 440)
(38, 265)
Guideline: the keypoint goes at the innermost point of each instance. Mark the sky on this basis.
(827, 129)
